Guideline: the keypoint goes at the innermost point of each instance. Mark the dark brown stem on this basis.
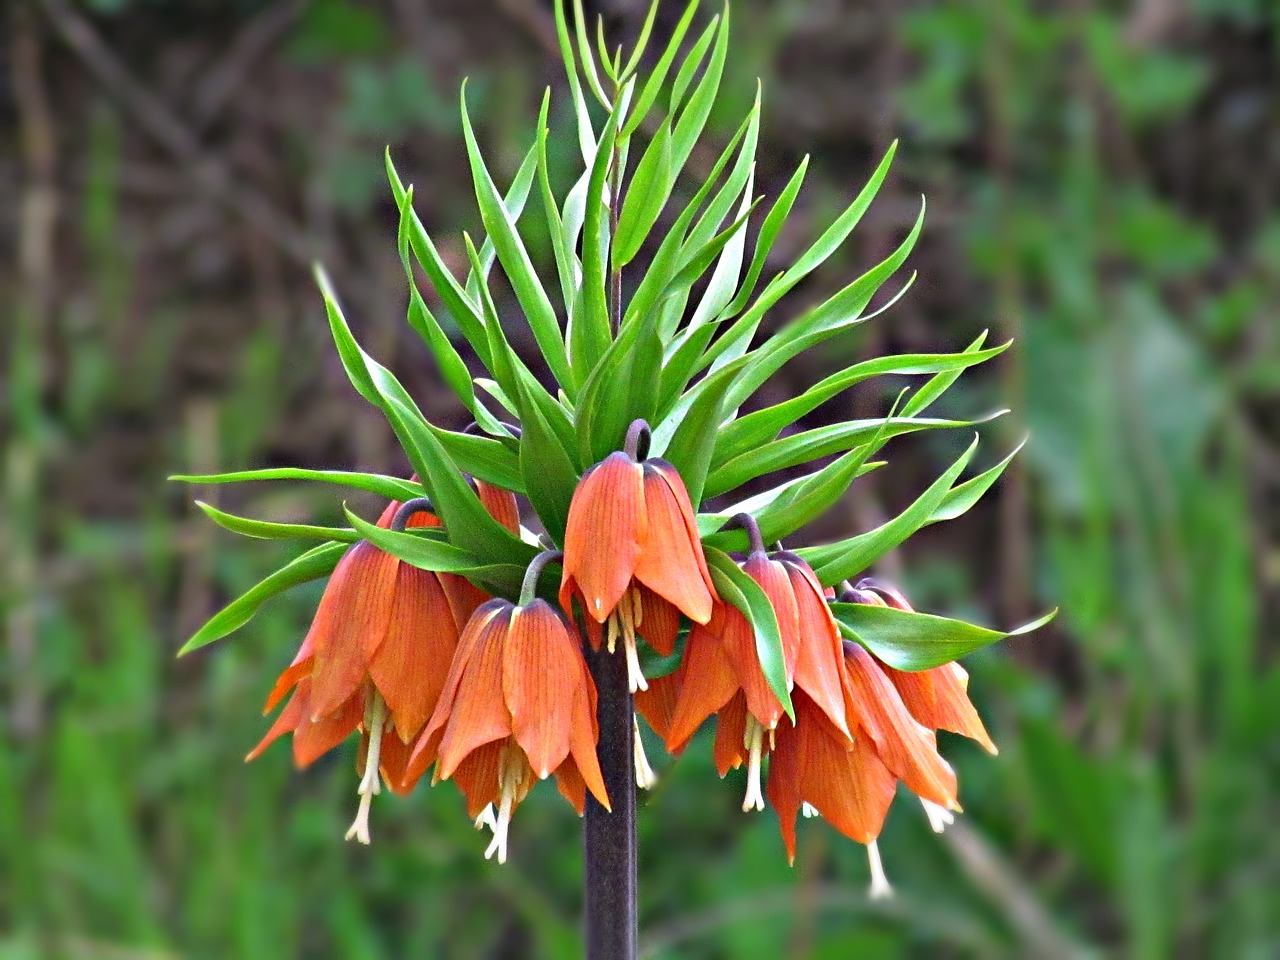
(609, 837)
(748, 523)
(407, 510)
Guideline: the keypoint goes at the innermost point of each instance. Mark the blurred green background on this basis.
(1103, 183)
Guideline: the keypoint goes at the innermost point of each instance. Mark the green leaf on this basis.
(809, 445)
(691, 63)
(769, 230)
(736, 587)
(457, 505)
(315, 563)
(755, 429)
(586, 134)
(429, 550)
(513, 203)
(647, 194)
(694, 437)
(584, 51)
(963, 496)
(653, 86)
(389, 487)
(641, 42)
(591, 330)
(848, 558)
(550, 475)
(451, 292)
(917, 641)
(484, 458)
(515, 259)
(835, 316)
(939, 384)
(742, 329)
(567, 265)
(266, 530)
(709, 524)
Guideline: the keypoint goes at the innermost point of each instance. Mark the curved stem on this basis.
(474, 429)
(748, 523)
(636, 445)
(407, 510)
(529, 587)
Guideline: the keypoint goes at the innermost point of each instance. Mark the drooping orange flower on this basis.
(519, 705)
(720, 672)
(375, 658)
(632, 552)
(938, 697)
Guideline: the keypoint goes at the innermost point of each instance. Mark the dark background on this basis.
(1102, 182)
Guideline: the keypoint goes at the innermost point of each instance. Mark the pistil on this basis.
(753, 741)
(513, 771)
(880, 888)
(375, 718)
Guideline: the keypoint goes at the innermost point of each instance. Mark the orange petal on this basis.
(501, 505)
(659, 622)
(293, 714)
(571, 785)
(907, 749)
(605, 534)
(819, 654)
(412, 664)
(939, 700)
(709, 683)
(540, 677)
(583, 736)
(314, 738)
(393, 761)
(464, 597)
(738, 640)
(350, 624)
(731, 725)
(773, 580)
(477, 713)
(301, 667)
(672, 563)
(477, 777)
(658, 704)
(852, 789)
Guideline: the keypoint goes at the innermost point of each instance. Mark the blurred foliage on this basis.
(1099, 187)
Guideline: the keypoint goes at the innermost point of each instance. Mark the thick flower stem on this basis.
(609, 839)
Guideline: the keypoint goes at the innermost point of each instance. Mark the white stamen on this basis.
(375, 718)
(645, 777)
(485, 821)
(880, 888)
(510, 776)
(809, 811)
(939, 817)
(623, 621)
(753, 740)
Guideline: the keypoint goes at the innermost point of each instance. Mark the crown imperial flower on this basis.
(518, 706)
(632, 551)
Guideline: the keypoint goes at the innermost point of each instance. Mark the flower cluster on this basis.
(444, 638)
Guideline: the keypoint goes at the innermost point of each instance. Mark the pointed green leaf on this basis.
(591, 328)
(315, 563)
(515, 259)
(848, 558)
(513, 203)
(963, 496)
(653, 86)
(550, 475)
(588, 60)
(266, 530)
(391, 488)
(918, 641)
(769, 230)
(694, 437)
(738, 589)
(647, 194)
(759, 427)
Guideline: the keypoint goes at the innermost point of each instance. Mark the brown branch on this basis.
(159, 123)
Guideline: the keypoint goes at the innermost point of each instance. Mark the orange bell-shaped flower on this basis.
(632, 551)
(375, 659)
(938, 697)
(720, 672)
(518, 706)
